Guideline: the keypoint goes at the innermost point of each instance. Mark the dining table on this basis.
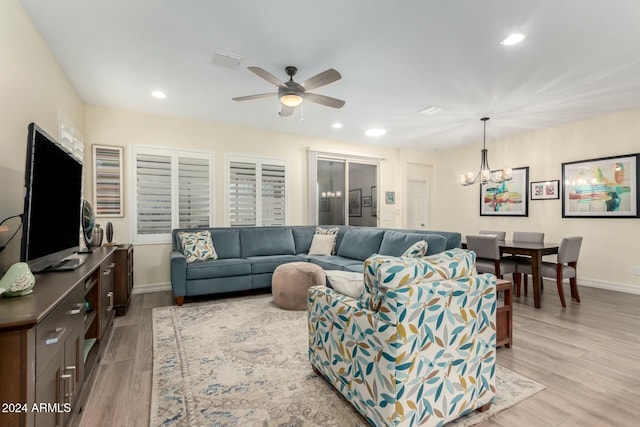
(534, 250)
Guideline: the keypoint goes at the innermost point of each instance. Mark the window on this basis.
(173, 189)
(256, 191)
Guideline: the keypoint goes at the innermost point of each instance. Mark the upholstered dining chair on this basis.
(502, 235)
(565, 268)
(524, 237)
(488, 259)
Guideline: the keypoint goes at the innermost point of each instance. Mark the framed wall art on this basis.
(544, 190)
(107, 181)
(390, 197)
(508, 198)
(366, 202)
(601, 188)
(355, 207)
(324, 204)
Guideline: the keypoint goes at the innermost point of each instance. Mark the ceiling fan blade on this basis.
(324, 78)
(248, 97)
(324, 100)
(285, 110)
(267, 76)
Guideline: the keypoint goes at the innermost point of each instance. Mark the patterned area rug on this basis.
(243, 362)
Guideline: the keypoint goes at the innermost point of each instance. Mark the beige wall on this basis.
(33, 88)
(111, 127)
(610, 247)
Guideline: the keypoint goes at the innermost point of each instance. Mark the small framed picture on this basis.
(366, 202)
(390, 197)
(324, 205)
(355, 199)
(544, 190)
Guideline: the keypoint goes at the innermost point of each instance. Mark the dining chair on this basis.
(524, 237)
(488, 259)
(502, 235)
(564, 268)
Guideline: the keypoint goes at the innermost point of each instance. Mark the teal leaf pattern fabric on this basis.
(197, 246)
(382, 272)
(425, 357)
(417, 250)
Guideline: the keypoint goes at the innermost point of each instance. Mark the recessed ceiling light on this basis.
(337, 125)
(158, 94)
(512, 39)
(375, 132)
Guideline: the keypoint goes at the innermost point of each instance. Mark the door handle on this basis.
(59, 332)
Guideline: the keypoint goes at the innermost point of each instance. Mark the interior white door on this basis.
(417, 204)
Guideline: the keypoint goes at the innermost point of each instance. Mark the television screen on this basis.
(53, 193)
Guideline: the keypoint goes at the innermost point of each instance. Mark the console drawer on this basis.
(56, 327)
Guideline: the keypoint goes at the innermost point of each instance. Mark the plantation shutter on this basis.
(194, 204)
(273, 194)
(153, 194)
(242, 194)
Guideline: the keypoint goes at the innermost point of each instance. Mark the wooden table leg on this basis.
(536, 273)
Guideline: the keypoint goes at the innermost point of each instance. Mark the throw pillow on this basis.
(332, 232)
(348, 283)
(417, 250)
(197, 246)
(322, 244)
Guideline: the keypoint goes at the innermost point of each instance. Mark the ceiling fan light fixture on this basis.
(291, 99)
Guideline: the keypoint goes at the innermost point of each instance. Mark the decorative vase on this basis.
(109, 232)
(98, 235)
(17, 281)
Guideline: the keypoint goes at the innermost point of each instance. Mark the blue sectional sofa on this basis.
(247, 256)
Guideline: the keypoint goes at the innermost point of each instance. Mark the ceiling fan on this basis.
(291, 94)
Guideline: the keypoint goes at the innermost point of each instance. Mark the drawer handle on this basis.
(73, 380)
(66, 378)
(110, 296)
(107, 272)
(76, 310)
(59, 333)
(113, 264)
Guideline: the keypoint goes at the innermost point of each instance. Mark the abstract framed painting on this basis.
(107, 181)
(508, 198)
(545, 190)
(601, 188)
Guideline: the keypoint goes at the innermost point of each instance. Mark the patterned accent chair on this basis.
(418, 347)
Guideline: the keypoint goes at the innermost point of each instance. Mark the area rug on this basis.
(243, 362)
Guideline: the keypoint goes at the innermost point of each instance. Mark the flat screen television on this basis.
(52, 204)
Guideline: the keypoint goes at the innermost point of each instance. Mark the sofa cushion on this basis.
(267, 241)
(302, 235)
(436, 243)
(197, 246)
(322, 244)
(346, 282)
(382, 273)
(395, 243)
(333, 262)
(330, 232)
(268, 263)
(227, 242)
(218, 268)
(360, 243)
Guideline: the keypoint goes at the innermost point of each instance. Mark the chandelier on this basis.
(331, 194)
(485, 174)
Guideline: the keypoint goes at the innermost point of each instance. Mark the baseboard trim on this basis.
(151, 287)
(610, 286)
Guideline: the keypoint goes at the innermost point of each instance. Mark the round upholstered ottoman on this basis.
(291, 282)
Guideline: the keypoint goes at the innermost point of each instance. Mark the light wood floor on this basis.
(587, 355)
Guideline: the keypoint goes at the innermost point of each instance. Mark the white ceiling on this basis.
(580, 59)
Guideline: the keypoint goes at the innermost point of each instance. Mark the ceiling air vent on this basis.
(225, 59)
